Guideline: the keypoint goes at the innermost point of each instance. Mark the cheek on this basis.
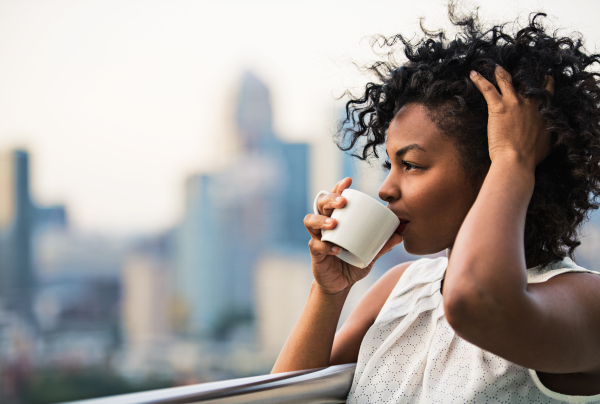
(429, 201)
(437, 209)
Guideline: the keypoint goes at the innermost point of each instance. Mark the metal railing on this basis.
(313, 386)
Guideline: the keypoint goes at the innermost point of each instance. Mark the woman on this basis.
(494, 149)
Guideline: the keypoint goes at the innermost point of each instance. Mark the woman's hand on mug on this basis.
(331, 273)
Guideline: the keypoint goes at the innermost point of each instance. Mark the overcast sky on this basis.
(119, 100)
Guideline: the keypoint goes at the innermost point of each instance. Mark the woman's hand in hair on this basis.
(515, 126)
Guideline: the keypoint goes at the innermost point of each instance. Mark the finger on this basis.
(315, 223)
(504, 80)
(343, 184)
(318, 247)
(488, 90)
(327, 203)
(549, 84)
(335, 187)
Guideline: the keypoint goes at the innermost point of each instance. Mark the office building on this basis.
(232, 216)
(17, 221)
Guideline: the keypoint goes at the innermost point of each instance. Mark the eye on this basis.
(409, 166)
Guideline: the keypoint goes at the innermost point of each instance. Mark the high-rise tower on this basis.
(17, 220)
(232, 216)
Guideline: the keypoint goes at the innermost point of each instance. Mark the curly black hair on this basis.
(436, 75)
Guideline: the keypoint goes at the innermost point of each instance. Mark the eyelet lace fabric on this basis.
(412, 355)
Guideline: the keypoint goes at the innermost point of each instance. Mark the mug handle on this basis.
(315, 205)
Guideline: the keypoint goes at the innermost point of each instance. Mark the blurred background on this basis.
(157, 159)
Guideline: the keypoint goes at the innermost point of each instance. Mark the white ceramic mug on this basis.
(364, 225)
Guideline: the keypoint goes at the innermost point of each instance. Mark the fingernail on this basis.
(335, 249)
(328, 221)
(338, 199)
(473, 73)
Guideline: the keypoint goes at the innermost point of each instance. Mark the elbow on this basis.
(469, 309)
(477, 306)
(458, 312)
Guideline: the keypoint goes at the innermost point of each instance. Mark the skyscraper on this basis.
(20, 218)
(17, 220)
(233, 216)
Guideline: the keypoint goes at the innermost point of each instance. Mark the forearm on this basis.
(487, 262)
(309, 344)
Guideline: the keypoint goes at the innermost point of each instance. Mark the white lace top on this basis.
(412, 355)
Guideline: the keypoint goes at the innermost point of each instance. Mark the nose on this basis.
(388, 191)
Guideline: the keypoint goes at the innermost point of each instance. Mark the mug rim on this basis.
(374, 200)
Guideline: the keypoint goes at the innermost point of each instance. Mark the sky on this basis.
(118, 101)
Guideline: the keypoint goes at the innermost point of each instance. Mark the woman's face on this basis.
(426, 184)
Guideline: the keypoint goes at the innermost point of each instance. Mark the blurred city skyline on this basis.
(213, 297)
(118, 102)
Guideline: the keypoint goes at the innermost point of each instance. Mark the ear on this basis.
(548, 84)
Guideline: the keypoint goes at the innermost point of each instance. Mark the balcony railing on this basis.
(314, 386)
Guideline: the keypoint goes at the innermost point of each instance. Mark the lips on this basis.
(401, 226)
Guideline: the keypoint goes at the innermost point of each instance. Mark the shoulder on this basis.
(376, 296)
(393, 274)
(568, 278)
(541, 273)
(558, 324)
(348, 339)
(368, 308)
(391, 278)
(580, 288)
(570, 330)
(423, 270)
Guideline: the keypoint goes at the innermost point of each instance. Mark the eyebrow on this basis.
(401, 152)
